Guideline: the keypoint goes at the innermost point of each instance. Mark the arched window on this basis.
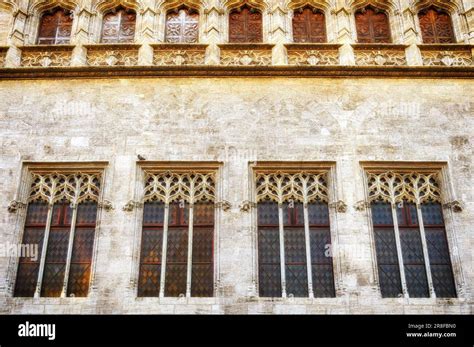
(118, 26)
(245, 25)
(55, 27)
(309, 25)
(182, 26)
(372, 26)
(436, 26)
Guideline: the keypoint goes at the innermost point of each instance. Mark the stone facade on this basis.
(123, 123)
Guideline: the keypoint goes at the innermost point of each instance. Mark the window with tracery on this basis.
(177, 246)
(118, 26)
(60, 221)
(410, 237)
(182, 26)
(372, 25)
(294, 237)
(55, 27)
(245, 25)
(309, 25)
(436, 26)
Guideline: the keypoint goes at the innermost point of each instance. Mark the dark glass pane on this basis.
(318, 213)
(323, 281)
(203, 245)
(432, 214)
(372, 26)
(295, 250)
(58, 242)
(245, 25)
(417, 284)
(389, 278)
(178, 214)
(153, 213)
(37, 213)
(79, 278)
(33, 242)
(177, 245)
(288, 210)
(269, 278)
(53, 278)
(267, 213)
(297, 280)
(149, 280)
(83, 245)
(202, 282)
(443, 281)
(381, 213)
(86, 213)
(268, 246)
(438, 250)
(151, 245)
(412, 210)
(298, 214)
(175, 284)
(320, 245)
(55, 265)
(385, 246)
(203, 213)
(309, 26)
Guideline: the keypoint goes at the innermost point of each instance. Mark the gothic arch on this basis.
(323, 5)
(9, 5)
(229, 5)
(165, 6)
(454, 8)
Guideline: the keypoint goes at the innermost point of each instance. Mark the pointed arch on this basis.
(309, 25)
(372, 25)
(245, 24)
(118, 25)
(104, 6)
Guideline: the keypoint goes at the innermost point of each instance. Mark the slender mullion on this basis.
(308, 251)
(163, 251)
(190, 252)
(425, 251)
(282, 250)
(69, 250)
(399, 251)
(43, 252)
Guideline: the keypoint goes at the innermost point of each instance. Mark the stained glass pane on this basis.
(56, 254)
(295, 245)
(26, 279)
(288, 210)
(385, 246)
(298, 214)
(175, 284)
(151, 246)
(245, 25)
(412, 210)
(178, 214)
(417, 284)
(318, 213)
(296, 280)
(412, 249)
(202, 281)
(436, 26)
(269, 278)
(83, 245)
(267, 213)
(309, 26)
(432, 214)
(37, 213)
(203, 245)
(389, 278)
(203, 213)
(381, 213)
(53, 278)
(269, 263)
(149, 280)
(176, 268)
(323, 281)
(86, 213)
(443, 281)
(153, 213)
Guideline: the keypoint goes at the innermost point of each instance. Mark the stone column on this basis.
(83, 18)
(410, 35)
(214, 17)
(342, 15)
(278, 32)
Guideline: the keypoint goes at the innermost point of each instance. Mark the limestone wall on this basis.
(5, 25)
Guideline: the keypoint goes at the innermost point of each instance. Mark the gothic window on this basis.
(118, 26)
(55, 27)
(182, 26)
(60, 222)
(294, 238)
(436, 26)
(177, 246)
(372, 26)
(245, 25)
(309, 25)
(410, 237)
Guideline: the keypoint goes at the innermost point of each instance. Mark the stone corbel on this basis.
(224, 204)
(339, 205)
(247, 205)
(361, 205)
(106, 205)
(130, 205)
(14, 206)
(455, 205)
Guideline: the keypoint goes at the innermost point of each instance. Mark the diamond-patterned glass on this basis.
(381, 213)
(432, 214)
(202, 281)
(53, 278)
(385, 246)
(55, 264)
(318, 214)
(175, 284)
(79, 278)
(83, 245)
(295, 247)
(323, 281)
(267, 213)
(176, 268)
(296, 280)
(153, 213)
(37, 214)
(269, 262)
(389, 278)
(203, 213)
(269, 278)
(320, 245)
(149, 280)
(86, 213)
(417, 284)
(443, 281)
